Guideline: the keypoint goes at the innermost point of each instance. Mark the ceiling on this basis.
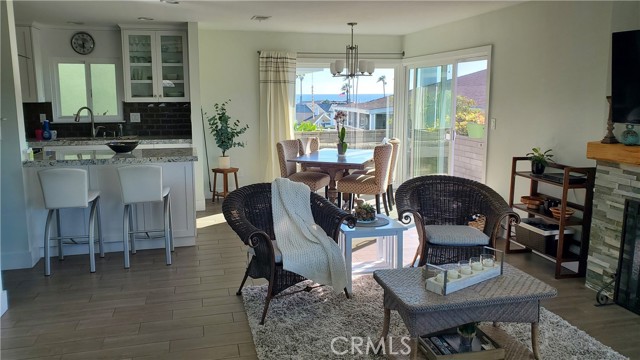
(373, 17)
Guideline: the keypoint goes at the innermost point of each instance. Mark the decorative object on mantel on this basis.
(539, 160)
(609, 138)
(225, 132)
(340, 117)
(630, 136)
(355, 67)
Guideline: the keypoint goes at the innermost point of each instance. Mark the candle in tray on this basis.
(440, 277)
(488, 261)
(453, 274)
(475, 263)
(465, 268)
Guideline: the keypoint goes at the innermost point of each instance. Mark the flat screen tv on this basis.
(625, 77)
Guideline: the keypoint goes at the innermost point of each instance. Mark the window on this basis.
(367, 100)
(87, 83)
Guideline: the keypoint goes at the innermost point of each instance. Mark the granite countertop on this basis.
(33, 143)
(81, 157)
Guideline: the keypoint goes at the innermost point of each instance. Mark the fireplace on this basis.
(617, 180)
(628, 279)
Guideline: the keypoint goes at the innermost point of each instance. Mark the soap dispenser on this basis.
(46, 133)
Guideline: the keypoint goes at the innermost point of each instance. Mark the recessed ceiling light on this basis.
(260, 17)
(172, 2)
(144, 18)
(75, 23)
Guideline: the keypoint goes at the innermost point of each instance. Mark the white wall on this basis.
(229, 70)
(550, 75)
(56, 43)
(14, 236)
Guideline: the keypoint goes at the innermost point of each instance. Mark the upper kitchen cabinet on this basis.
(29, 59)
(155, 66)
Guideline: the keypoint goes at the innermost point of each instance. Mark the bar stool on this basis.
(143, 184)
(64, 189)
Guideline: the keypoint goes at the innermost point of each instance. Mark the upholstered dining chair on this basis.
(395, 142)
(375, 184)
(441, 207)
(289, 149)
(248, 211)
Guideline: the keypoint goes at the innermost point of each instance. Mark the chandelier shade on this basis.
(351, 66)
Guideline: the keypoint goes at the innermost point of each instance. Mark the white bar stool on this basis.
(63, 189)
(142, 184)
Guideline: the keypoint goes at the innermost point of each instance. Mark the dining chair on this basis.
(375, 184)
(395, 142)
(289, 149)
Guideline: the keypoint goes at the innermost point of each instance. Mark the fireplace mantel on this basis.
(616, 153)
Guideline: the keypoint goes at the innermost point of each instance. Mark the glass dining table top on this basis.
(353, 157)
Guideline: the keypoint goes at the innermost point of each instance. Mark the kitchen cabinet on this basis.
(26, 63)
(567, 178)
(155, 65)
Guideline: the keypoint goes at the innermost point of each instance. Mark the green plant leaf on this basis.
(224, 130)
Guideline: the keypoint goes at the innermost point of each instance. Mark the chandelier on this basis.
(353, 66)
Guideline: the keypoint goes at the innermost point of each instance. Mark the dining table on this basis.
(330, 161)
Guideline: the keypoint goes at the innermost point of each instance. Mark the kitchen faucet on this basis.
(77, 119)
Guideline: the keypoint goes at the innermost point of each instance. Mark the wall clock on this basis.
(82, 43)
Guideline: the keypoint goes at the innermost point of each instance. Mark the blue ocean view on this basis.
(335, 97)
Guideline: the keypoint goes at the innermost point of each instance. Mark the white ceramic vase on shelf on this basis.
(224, 162)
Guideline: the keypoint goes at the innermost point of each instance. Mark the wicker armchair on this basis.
(450, 200)
(248, 212)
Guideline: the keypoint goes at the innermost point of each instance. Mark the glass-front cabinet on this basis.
(155, 66)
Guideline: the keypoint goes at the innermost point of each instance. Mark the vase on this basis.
(537, 168)
(466, 340)
(342, 148)
(224, 162)
(630, 136)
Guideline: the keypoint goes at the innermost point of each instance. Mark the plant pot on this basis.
(224, 162)
(537, 168)
(342, 148)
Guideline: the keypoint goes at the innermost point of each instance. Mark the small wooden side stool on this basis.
(225, 181)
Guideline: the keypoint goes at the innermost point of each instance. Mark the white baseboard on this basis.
(201, 204)
(4, 305)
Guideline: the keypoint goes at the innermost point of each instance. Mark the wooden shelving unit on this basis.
(585, 208)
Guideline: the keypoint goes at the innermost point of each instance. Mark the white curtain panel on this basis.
(277, 105)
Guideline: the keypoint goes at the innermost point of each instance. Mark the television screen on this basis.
(625, 77)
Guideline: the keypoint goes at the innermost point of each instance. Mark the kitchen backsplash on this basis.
(156, 119)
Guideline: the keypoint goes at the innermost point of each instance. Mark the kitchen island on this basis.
(101, 165)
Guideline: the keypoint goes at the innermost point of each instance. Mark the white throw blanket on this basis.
(306, 249)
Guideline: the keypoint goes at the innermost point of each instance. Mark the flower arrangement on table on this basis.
(340, 117)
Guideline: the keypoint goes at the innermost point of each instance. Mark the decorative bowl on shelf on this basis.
(557, 212)
(122, 146)
(532, 202)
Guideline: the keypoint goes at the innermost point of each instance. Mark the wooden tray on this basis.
(451, 337)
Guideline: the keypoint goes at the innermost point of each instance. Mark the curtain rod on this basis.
(401, 54)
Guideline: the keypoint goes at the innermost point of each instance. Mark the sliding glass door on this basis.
(447, 99)
(429, 120)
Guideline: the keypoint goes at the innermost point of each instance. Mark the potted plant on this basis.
(225, 131)
(467, 332)
(340, 118)
(539, 160)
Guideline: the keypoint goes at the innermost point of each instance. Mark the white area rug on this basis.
(302, 325)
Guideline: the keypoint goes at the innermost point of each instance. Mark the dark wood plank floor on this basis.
(190, 311)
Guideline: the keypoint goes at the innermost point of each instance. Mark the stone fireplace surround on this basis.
(617, 179)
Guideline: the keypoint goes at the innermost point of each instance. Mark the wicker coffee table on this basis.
(513, 297)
